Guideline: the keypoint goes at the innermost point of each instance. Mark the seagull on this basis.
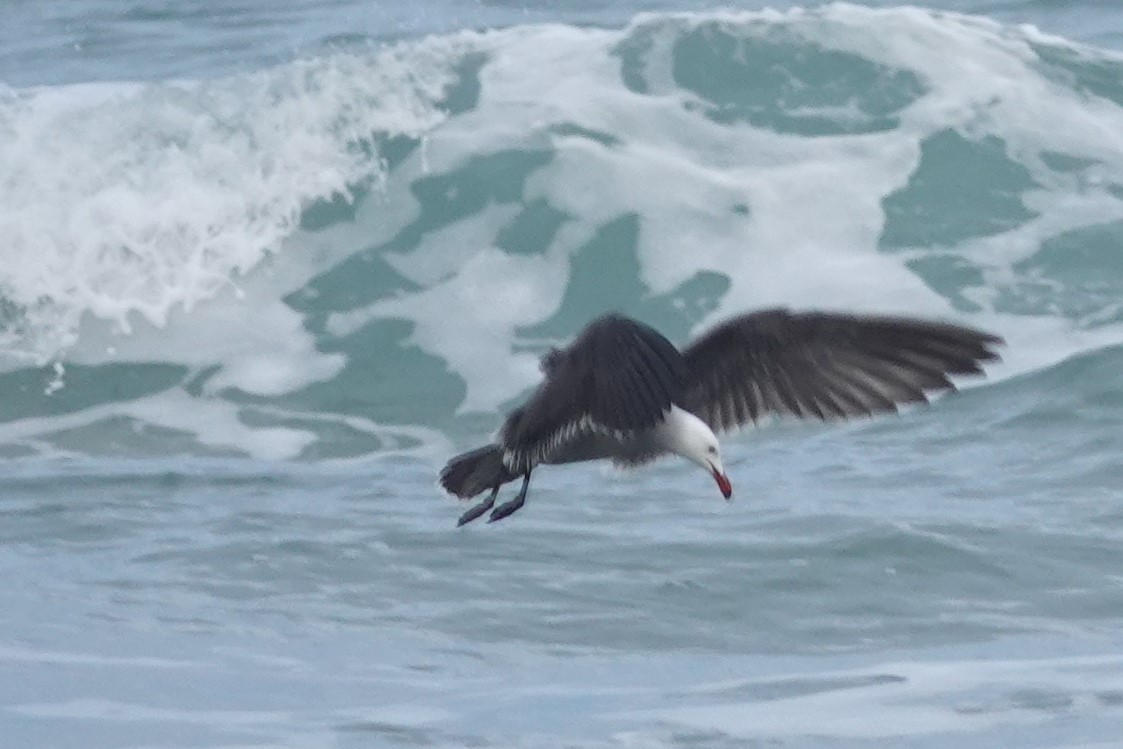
(621, 391)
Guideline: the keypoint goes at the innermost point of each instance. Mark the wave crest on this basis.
(436, 213)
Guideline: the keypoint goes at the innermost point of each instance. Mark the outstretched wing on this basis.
(824, 365)
(618, 377)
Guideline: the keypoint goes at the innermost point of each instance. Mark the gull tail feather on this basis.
(475, 472)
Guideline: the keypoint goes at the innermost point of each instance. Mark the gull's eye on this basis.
(712, 450)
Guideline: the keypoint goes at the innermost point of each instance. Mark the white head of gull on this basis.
(621, 391)
(685, 434)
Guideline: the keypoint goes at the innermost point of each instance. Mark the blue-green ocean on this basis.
(265, 265)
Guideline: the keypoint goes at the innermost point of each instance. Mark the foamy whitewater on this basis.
(265, 268)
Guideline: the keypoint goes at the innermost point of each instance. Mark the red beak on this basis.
(723, 483)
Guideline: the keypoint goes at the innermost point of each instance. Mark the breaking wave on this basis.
(366, 252)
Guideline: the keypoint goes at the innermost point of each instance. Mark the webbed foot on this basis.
(479, 509)
(509, 507)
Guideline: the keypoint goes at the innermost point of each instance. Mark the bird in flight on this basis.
(621, 391)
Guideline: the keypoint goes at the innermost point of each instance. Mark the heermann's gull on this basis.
(622, 391)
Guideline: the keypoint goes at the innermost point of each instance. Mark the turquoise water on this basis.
(268, 265)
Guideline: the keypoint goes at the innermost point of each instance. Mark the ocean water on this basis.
(266, 265)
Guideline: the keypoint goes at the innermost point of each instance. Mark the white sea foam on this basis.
(109, 710)
(907, 699)
(816, 215)
(137, 219)
(124, 203)
(159, 223)
(215, 423)
(64, 658)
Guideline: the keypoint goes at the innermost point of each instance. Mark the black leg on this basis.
(507, 508)
(479, 509)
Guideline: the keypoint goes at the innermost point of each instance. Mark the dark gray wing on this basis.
(824, 365)
(619, 376)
